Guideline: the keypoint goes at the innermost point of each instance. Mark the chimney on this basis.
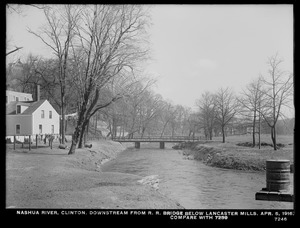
(37, 93)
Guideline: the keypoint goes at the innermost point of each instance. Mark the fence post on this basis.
(36, 141)
(14, 142)
(29, 142)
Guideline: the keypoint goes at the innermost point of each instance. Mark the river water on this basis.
(193, 184)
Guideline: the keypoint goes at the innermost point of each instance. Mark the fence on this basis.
(29, 139)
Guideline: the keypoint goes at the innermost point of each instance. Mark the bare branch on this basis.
(16, 49)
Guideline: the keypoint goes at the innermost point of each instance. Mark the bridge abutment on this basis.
(137, 145)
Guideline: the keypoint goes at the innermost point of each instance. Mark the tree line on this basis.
(260, 103)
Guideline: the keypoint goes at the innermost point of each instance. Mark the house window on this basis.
(50, 114)
(17, 98)
(18, 129)
(18, 109)
(43, 114)
(41, 129)
(52, 129)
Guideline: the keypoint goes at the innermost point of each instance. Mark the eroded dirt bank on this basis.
(231, 156)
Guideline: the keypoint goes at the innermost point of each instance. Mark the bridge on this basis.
(161, 140)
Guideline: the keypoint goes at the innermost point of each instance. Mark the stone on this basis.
(62, 146)
(88, 145)
(151, 180)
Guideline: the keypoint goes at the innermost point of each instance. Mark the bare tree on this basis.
(207, 114)
(57, 34)
(140, 107)
(193, 123)
(226, 108)
(250, 103)
(21, 75)
(109, 43)
(277, 93)
(179, 122)
(149, 109)
(168, 113)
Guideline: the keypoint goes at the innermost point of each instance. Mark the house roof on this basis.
(32, 106)
(19, 93)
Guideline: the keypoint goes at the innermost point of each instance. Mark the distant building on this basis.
(17, 96)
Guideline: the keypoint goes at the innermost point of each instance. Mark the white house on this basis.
(24, 118)
(17, 96)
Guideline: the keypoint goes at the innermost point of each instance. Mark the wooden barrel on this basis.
(278, 175)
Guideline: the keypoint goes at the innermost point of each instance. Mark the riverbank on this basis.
(49, 178)
(231, 155)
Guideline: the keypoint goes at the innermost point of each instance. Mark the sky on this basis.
(194, 48)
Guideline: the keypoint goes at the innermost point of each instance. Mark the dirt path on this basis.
(45, 178)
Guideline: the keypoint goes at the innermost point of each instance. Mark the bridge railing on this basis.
(159, 138)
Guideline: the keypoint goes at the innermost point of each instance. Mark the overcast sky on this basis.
(195, 48)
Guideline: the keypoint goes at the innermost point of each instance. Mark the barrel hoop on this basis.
(278, 181)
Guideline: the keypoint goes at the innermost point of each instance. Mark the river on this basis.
(193, 184)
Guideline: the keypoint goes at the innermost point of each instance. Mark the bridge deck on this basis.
(158, 139)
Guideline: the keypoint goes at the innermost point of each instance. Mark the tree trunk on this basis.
(259, 129)
(253, 131)
(82, 136)
(120, 132)
(223, 134)
(163, 130)
(123, 130)
(66, 125)
(78, 128)
(87, 131)
(275, 143)
(143, 131)
(206, 134)
(75, 137)
(115, 131)
(96, 123)
(62, 116)
(273, 137)
(173, 131)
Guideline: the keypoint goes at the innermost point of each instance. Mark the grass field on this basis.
(285, 139)
(229, 155)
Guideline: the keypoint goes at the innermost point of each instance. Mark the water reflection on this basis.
(193, 184)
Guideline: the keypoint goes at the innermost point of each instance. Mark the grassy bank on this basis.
(231, 156)
(50, 178)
